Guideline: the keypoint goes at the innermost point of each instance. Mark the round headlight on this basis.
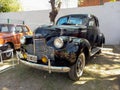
(58, 42)
(22, 40)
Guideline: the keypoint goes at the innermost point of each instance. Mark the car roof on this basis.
(5, 24)
(12, 24)
(87, 15)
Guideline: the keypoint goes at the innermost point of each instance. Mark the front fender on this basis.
(78, 45)
(73, 49)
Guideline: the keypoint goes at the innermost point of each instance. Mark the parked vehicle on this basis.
(10, 35)
(64, 47)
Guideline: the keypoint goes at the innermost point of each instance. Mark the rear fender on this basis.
(101, 40)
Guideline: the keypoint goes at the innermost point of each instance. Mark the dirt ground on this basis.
(101, 73)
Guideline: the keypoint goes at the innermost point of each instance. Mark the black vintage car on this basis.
(64, 47)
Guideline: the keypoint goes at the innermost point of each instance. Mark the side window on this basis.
(92, 22)
(18, 29)
(4, 29)
(11, 28)
(25, 29)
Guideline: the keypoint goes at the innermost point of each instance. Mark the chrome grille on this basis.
(39, 48)
(39, 45)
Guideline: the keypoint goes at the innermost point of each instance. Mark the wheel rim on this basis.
(9, 53)
(80, 65)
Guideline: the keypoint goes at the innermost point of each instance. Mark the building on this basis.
(93, 2)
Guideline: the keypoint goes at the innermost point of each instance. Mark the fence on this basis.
(6, 67)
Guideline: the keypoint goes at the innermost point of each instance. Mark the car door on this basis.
(17, 34)
(92, 31)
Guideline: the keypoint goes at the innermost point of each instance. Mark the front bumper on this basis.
(3, 47)
(46, 67)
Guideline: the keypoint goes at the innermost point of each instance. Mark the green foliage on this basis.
(9, 5)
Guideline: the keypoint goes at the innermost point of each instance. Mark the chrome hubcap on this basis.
(80, 65)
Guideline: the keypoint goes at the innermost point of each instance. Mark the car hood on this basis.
(64, 30)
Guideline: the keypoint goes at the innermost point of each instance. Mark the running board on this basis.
(95, 50)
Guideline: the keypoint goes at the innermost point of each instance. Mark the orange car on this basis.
(10, 35)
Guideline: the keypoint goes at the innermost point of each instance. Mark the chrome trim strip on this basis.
(34, 45)
(45, 67)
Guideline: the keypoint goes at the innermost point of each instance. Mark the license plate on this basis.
(32, 58)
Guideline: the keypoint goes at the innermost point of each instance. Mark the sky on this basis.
(29, 5)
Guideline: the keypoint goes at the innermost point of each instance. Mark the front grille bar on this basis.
(39, 48)
(34, 44)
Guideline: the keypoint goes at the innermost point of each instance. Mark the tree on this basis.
(55, 7)
(101, 2)
(9, 5)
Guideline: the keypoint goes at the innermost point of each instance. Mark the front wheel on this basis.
(8, 54)
(77, 69)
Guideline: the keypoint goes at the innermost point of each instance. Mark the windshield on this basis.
(6, 28)
(72, 20)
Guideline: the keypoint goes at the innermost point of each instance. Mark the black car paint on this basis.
(77, 39)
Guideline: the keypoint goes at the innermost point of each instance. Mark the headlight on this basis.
(22, 40)
(58, 42)
(1, 45)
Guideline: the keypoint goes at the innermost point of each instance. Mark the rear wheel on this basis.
(77, 69)
(8, 54)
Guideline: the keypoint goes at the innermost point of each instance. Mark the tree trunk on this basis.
(101, 2)
(54, 10)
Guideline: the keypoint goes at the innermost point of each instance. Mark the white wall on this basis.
(108, 15)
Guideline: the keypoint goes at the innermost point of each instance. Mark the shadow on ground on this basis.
(101, 73)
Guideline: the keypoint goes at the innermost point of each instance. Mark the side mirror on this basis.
(91, 23)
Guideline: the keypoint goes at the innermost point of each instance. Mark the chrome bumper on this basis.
(46, 68)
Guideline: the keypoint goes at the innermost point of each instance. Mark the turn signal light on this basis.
(25, 55)
(44, 59)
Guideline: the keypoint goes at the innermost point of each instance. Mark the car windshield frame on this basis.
(73, 20)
